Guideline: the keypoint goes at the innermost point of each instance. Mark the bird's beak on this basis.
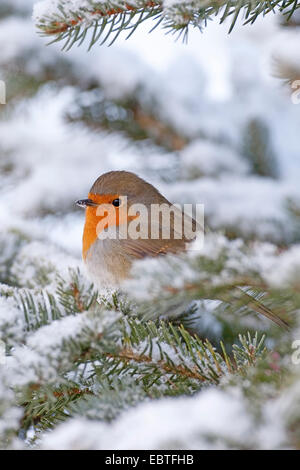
(86, 202)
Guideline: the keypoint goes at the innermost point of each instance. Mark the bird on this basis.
(119, 201)
(109, 258)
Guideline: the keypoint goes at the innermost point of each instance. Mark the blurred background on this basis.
(214, 121)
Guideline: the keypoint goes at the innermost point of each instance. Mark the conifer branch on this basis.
(143, 357)
(108, 19)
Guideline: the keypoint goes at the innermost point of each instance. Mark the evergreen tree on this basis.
(178, 356)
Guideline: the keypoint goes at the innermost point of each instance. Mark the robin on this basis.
(119, 201)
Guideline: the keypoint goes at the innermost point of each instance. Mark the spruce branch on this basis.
(109, 347)
(228, 272)
(152, 360)
(69, 23)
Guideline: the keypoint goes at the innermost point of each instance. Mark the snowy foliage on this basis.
(70, 20)
(79, 368)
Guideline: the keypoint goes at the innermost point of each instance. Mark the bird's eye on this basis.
(116, 202)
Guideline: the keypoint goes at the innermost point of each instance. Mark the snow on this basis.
(171, 3)
(12, 324)
(204, 158)
(51, 7)
(262, 261)
(283, 270)
(213, 419)
(253, 205)
(41, 358)
(206, 91)
(205, 105)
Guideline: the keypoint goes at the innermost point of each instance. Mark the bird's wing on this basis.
(141, 248)
(173, 239)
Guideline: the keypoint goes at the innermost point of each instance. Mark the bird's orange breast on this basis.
(98, 218)
(92, 220)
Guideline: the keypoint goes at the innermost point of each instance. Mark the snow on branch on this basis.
(70, 20)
